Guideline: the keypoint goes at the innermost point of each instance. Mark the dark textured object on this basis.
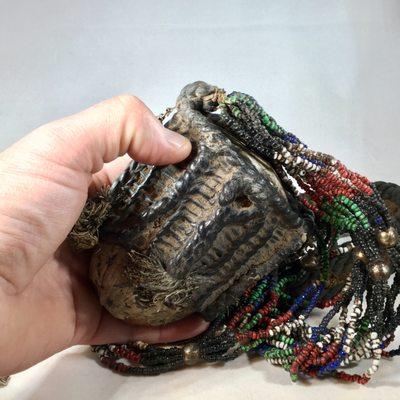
(191, 237)
(390, 193)
(195, 237)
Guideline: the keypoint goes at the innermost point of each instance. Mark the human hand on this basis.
(47, 303)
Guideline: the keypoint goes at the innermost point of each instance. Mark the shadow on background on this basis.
(68, 380)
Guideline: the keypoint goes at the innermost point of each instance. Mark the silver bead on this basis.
(191, 354)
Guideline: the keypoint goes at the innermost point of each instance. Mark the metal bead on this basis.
(191, 354)
(219, 331)
(141, 345)
(380, 270)
(4, 380)
(388, 238)
(310, 262)
(360, 255)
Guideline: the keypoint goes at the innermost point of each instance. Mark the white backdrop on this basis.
(329, 71)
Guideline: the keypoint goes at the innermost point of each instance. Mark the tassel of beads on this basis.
(343, 202)
(267, 320)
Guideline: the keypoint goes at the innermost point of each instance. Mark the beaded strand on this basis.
(271, 317)
(340, 200)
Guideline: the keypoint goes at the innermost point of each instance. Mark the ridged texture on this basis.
(192, 237)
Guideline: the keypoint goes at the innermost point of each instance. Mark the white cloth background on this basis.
(327, 70)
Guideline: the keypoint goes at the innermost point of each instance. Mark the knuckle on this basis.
(131, 112)
(129, 102)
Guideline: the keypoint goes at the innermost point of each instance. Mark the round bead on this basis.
(380, 270)
(388, 238)
(191, 354)
(360, 255)
(4, 380)
(310, 262)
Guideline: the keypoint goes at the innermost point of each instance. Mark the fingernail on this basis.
(176, 139)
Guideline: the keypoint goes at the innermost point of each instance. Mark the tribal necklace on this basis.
(270, 320)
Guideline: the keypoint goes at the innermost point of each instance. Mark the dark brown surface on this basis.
(192, 237)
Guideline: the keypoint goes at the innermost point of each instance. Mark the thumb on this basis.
(105, 131)
(46, 175)
(111, 330)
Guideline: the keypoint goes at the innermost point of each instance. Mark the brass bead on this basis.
(310, 262)
(4, 381)
(360, 255)
(380, 270)
(141, 345)
(388, 238)
(191, 354)
(219, 331)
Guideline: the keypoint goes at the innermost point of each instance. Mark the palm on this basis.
(60, 306)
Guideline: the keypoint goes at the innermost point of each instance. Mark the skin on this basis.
(47, 303)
